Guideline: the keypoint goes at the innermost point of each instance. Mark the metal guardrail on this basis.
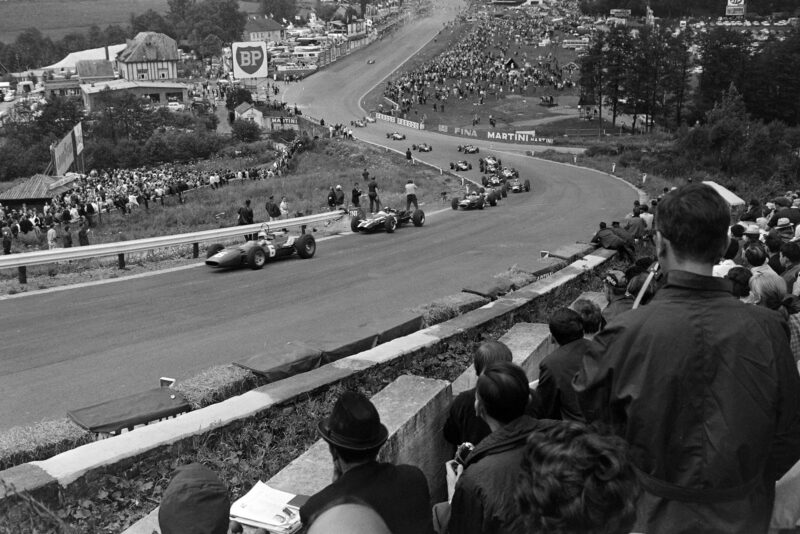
(42, 257)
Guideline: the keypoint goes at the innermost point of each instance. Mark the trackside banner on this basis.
(503, 137)
(387, 118)
(401, 122)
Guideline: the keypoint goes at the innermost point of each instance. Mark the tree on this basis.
(678, 73)
(279, 9)
(724, 58)
(73, 42)
(593, 66)
(774, 82)
(151, 21)
(95, 37)
(236, 97)
(618, 49)
(727, 126)
(115, 34)
(245, 131)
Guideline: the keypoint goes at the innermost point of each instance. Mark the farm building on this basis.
(149, 56)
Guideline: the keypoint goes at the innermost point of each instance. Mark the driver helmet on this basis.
(386, 209)
(262, 234)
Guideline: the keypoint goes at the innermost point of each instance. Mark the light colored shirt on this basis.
(411, 189)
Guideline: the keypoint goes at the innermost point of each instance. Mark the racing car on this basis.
(489, 164)
(494, 180)
(395, 136)
(422, 147)
(255, 253)
(369, 119)
(475, 200)
(468, 149)
(515, 185)
(461, 165)
(359, 123)
(387, 219)
(509, 172)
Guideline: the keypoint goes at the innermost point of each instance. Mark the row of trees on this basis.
(202, 25)
(685, 8)
(649, 75)
(287, 10)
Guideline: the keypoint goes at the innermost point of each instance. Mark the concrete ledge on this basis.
(81, 463)
(25, 476)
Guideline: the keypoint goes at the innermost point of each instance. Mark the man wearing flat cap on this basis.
(398, 493)
(195, 502)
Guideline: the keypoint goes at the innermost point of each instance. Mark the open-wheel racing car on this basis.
(387, 219)
(359, 123)
(475, 200)
(422, 147)
(515, 185)
(489, 164)
(508, 173)
(468, 149)
(395, 136)
(255, 253)
(461, 165)
(493, 180)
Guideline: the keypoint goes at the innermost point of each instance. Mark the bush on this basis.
(245, 131)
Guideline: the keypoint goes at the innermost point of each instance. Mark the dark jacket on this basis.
(463, 424)
(618, 304)
(706, 393)
(557, 399)
(637, 227)
(483, 500)
(793, 214)
(399, 493)
(608, 239)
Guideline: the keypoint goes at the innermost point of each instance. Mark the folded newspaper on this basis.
(264, 507)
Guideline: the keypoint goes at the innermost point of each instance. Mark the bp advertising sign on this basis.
(735, 8)
(250, 60)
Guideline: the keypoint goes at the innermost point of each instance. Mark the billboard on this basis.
(620, 13)
(63, 154)
(250, 60)
(735, 8)
(78, 131)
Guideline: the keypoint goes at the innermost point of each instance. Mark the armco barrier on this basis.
(42, 257)
(74, 470)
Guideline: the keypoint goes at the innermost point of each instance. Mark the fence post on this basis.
(195, 250)
(121, 259)
(23, 274)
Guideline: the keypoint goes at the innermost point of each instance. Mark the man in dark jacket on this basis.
(398, 493)
(556, 398)
(463, 424)
(702, 387)
(483, 498)
(616, 286)
(606, 238)
(195, 501)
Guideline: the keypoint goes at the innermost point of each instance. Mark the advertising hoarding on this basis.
(250, 60)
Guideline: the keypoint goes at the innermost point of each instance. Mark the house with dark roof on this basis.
(94, 70)
(262, 28)
(149, 56)
(37, 190)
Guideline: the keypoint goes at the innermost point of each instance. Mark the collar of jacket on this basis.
(509, 437)
(697, 282)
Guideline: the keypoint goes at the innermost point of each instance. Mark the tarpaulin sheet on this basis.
(348, 349)
(298, 357)
(126, 412)
(403, 329)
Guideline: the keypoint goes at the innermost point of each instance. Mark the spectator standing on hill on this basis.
(411, 195)
(398, 493)
(331, 199)
(753, 211)
(7, 238)
(355, 194)
(273, 211)
(66, 239)
(339, 197)
(702, 387)
(365, 175)
(623, 234)
(483, 497)
(556, 398)
(636, 225)
(755, 256)
(591, 317)
(83, 235)
(409, 158)
(52, 236)
(773, 243)
(575, 479)
(284, 207)
(246, 217)
(463, 424)
(372, 193)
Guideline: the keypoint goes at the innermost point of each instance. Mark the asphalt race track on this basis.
(68, 349)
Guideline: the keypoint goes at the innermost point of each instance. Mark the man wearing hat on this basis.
(785, 229)
(399, 493)
(791, 212)
(195, 502)
(616, 286)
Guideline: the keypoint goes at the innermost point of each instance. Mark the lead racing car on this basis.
(489, 164)
(387, 219)
(255, 253)
(395, 136)
(515, 185)
(468, 149)
(422, 147)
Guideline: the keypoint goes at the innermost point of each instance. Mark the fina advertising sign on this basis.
(250, 60)
(736, 8)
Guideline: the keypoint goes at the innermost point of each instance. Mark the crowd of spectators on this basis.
(490, 61)
(93, 195)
